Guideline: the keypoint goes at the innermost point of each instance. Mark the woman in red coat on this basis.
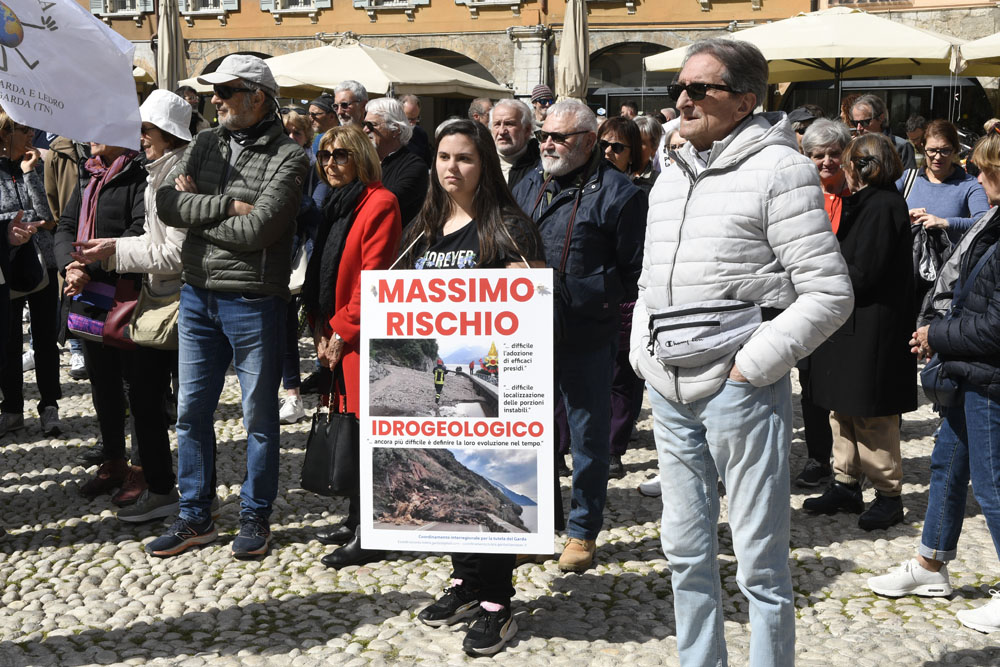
(360, 231)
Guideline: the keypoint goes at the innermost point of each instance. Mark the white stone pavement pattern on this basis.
(78, 589)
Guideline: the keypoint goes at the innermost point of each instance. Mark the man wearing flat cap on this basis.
(237, 191)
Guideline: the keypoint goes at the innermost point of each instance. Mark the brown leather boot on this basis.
(110, 475)
(135, 484)
(577, 555)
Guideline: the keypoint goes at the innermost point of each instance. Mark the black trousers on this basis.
(488, 574)
(147, 372)
(43, 306)
(816, 423)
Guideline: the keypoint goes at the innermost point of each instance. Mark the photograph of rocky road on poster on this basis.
(455, 490)
(429, 377)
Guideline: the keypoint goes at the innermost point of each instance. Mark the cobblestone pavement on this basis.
(77, 587)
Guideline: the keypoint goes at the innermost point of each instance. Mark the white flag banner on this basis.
(63, 71)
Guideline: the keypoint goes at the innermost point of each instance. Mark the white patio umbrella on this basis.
(380, 71)
(839, 42)
(983, 51)
(573, 67)
(170, 46)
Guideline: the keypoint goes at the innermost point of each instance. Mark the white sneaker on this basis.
(912, 579)
(985, 618)
(292, 410)
(28, 361)
(77, 368)
(651, 487)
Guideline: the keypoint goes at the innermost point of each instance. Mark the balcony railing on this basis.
(372, 7)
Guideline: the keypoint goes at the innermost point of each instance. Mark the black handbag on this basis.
(939, 388)
(332, 465)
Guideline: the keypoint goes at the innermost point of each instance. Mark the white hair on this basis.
(585, 118)
(355, 88)
(391, 112)
(523, 110)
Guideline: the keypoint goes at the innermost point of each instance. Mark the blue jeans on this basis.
(742, 434)
(584, 379)
(214, 329)
(967, 447)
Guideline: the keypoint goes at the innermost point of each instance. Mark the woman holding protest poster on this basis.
(470, 220)
(360, 231)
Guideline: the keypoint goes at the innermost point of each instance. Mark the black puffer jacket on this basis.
(969, 344)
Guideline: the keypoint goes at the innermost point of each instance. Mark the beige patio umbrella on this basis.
(983, 51)
(573, 67)
(170, 46)
(200, 88)
(380, 71)
(840, 42)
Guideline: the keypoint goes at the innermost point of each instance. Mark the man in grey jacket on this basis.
(237, 191)
(736, 229)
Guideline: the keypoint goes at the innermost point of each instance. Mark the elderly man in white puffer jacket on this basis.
(738, 217)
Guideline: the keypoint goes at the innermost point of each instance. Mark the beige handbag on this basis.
(154, 322)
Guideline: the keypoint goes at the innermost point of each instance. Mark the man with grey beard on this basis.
(236, 190)
(592, 221)
(350, 98)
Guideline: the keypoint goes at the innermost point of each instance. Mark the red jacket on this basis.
(372, 244)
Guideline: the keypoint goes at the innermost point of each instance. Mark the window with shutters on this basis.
(629, 4)
(109, 9)
(220, 9)
(475, 5)
(373, 7)
(279, 8)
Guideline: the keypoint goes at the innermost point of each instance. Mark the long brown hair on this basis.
(496, 214)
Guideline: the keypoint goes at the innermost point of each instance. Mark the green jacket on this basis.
(244, 253)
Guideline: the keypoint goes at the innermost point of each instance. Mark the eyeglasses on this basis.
(144, 129)
(558, 137)
(225, 92)
(862, 122)
(370, 126)
(616, 146)
(935, 152)
(695, 90)
(340, 156)
(344, 106)
(545, 102)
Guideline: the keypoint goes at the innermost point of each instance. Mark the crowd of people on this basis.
(699, 254)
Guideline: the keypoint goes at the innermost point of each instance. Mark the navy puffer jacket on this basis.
(969, 344)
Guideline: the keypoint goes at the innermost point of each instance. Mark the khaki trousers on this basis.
(868, 446)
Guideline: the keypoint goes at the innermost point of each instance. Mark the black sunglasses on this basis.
(287, 110)
(370, 126)
(224, 92)
(344, 106)
(144, 129)
(558, 137)
(616, 146)
(696, 91)
(546, 101)
(340, 156)
(863, 122)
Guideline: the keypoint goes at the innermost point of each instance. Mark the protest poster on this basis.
(456, 415)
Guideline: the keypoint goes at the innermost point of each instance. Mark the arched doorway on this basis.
(435, 110)
(617, 74)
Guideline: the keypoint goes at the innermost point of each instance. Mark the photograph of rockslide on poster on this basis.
(456, 423)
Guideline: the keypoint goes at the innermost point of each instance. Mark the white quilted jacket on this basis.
(751, 227)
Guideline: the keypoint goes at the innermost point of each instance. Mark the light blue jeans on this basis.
(742, 435)
(214, 329)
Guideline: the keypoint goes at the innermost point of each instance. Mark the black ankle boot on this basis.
(839, 497)
(352, 554)
(885, 511)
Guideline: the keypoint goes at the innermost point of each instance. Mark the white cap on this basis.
(169, 112)
(242, 66)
